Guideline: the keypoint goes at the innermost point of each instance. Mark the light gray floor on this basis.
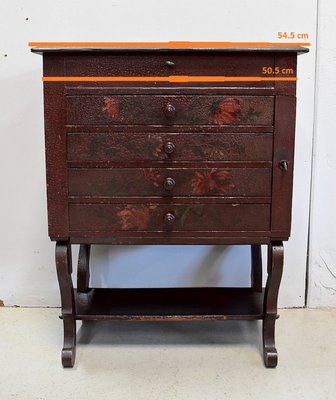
(133, 360)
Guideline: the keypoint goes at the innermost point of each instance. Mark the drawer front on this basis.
(170, 182)
(167, 64)
(177, 217)
(169, 110)
(130, 147)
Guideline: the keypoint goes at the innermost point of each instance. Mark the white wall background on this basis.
(322, 254)
(27, 273)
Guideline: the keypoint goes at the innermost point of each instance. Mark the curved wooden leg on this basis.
(83, 269)
(69, 344)
(64, 269)
(275, 267)
(256, 267)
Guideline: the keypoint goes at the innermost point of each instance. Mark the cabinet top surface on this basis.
(111, 49)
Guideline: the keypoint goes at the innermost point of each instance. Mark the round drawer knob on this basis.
(169, 147)
(170, 64)
(169, 110)
(283, 165)
(169, 184)
(169, 218)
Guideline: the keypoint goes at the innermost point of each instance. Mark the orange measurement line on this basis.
(178, 78)
(172, 44)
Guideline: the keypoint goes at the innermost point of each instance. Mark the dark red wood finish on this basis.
(228, 182)
(167, 63)
(169, 163)
(173, 304)
(152, 217)
(55, 139)
(169, 110)
(83, 272)
(141, 147)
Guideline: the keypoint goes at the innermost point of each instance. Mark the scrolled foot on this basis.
(68, 357)
(69, 344)
(270, 357)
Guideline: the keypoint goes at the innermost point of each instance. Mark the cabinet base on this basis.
(169, 304)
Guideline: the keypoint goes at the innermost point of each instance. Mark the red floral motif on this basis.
(156, 145)
(135, 217)
(228, 111)
(211, 181)
(111, 107)
(153, 176)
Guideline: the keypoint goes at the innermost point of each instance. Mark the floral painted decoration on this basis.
(135, 218)
(212, 181)
(153, 176)
(228, 111)
(111, 107)
(155, 145)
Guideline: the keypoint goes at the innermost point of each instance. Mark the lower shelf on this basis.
(170, 304)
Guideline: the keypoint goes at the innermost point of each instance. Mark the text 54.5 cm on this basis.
(292, 35)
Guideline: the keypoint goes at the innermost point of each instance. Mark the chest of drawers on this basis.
(169, 146)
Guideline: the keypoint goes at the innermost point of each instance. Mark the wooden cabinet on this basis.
(164, 146)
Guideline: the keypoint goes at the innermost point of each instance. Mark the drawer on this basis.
(167, 64)
(169, 110)
(170, 181)
(166, 217)
(131, 147)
